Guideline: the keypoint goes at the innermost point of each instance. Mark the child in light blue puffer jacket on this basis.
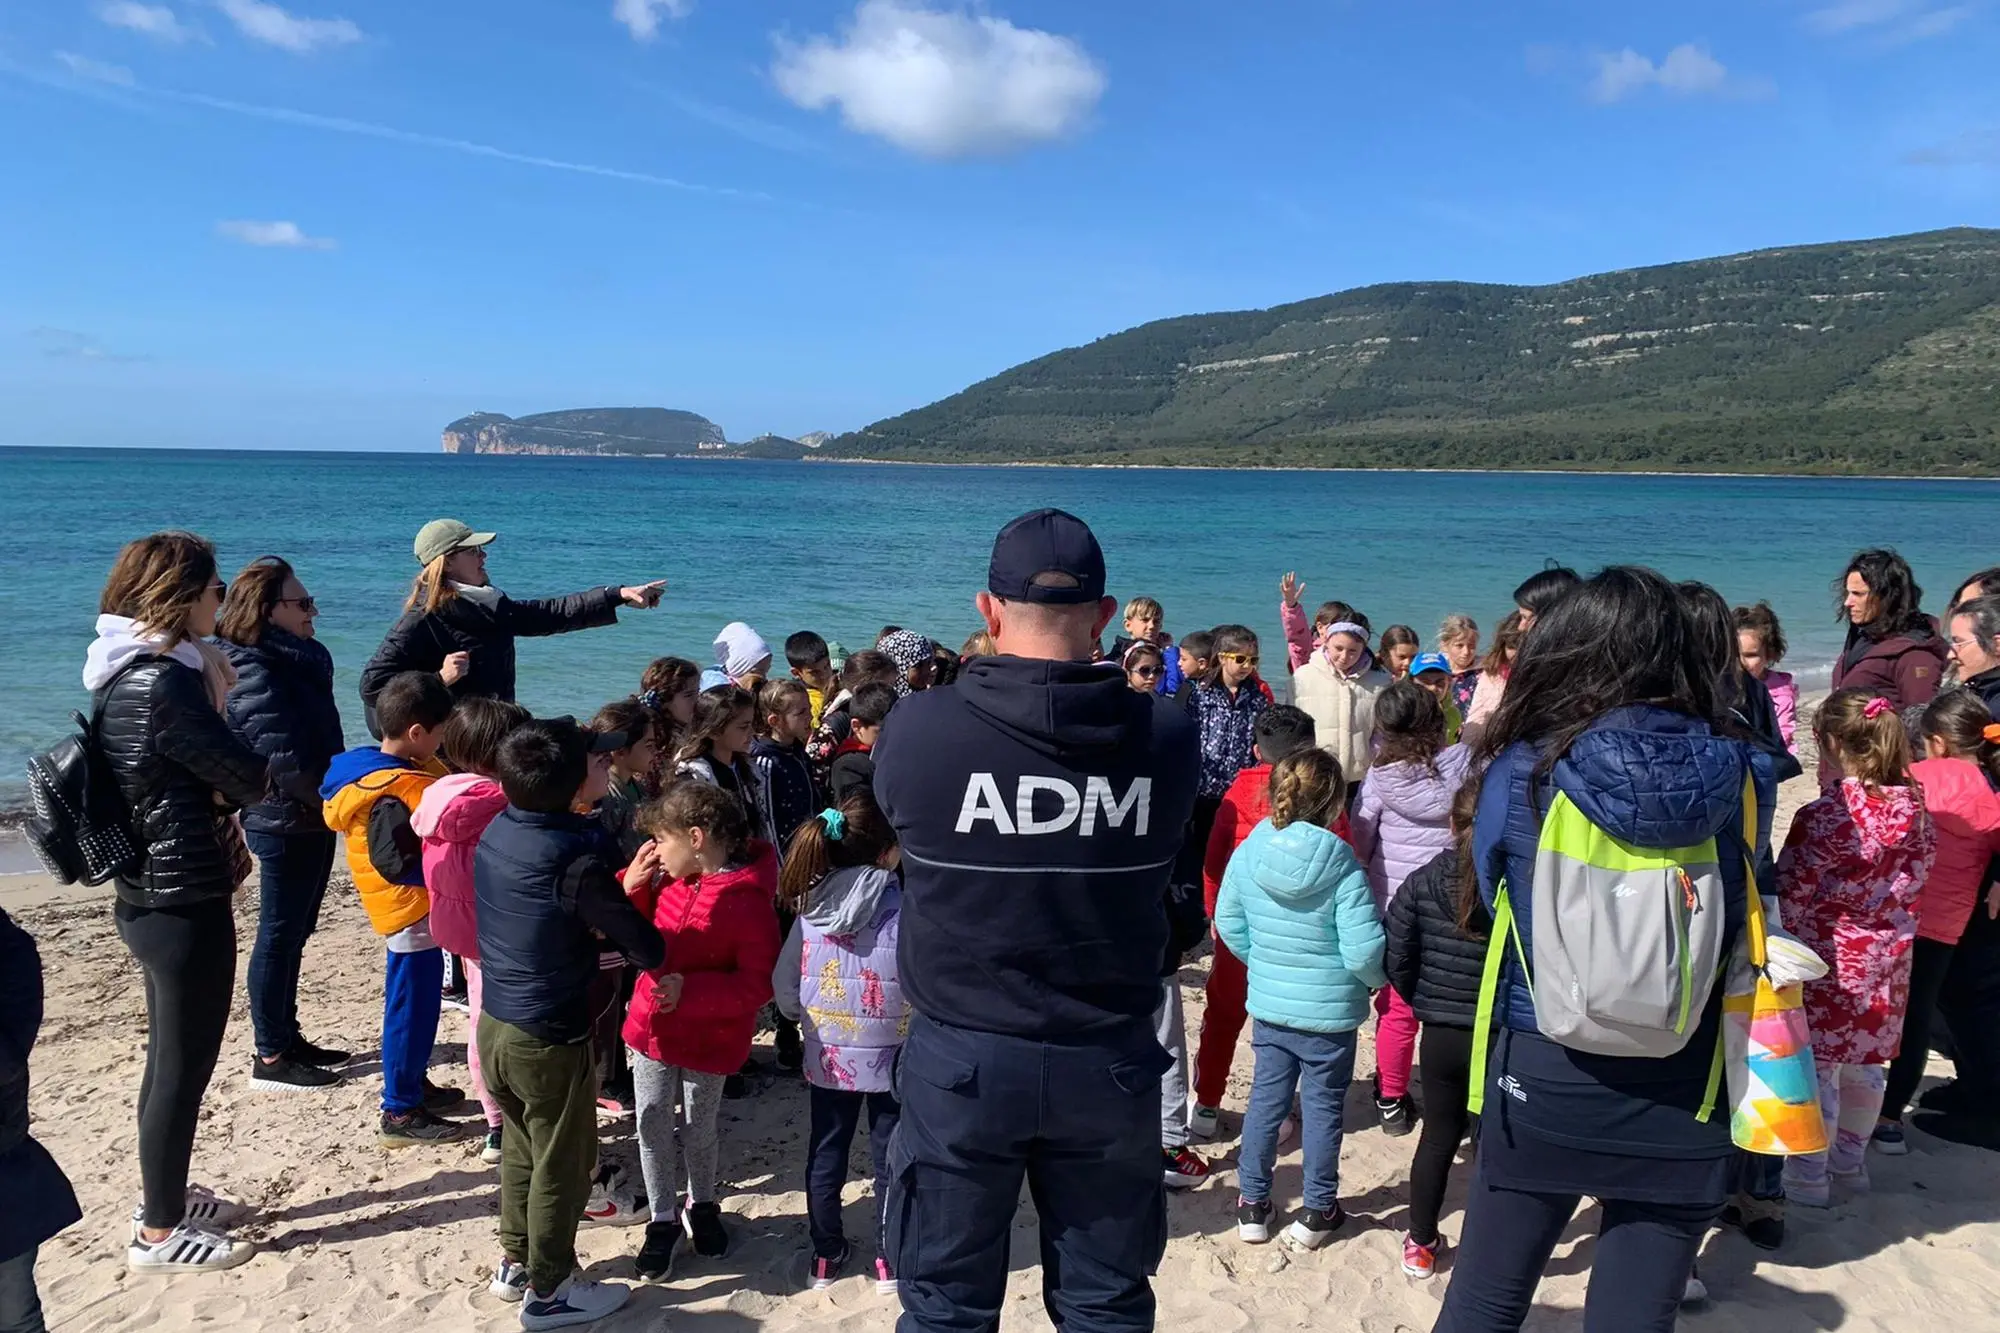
(1295, 906)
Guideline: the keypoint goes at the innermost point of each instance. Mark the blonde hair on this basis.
(157, 581)
(1874, 749)
(1306, 788)
(432, 589)
(1455, 627)
(1147, 607)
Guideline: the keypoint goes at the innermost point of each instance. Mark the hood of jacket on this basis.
(1919, 636)
(1416, 792)
(353, 765)
(1056, 708)
(281, 646)
(1297, 865)
(119, 641)
(1655, 777)
(458, 807)
(1885, 818)
(757, 874)
(850, 898)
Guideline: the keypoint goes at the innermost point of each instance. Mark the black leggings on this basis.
(189, 958)
(1444, 1069)
(1930, 964)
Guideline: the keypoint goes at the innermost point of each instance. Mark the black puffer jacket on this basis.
(283, 708)
(1433, 964)
(421, 640)
(171, 754)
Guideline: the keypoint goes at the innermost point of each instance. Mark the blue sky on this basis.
(341, 223)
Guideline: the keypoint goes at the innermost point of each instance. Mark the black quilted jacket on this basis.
(283, 708)
(172, 754)
(421, 640)
(1433, 964)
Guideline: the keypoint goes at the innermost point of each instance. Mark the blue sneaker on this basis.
(573, 1303)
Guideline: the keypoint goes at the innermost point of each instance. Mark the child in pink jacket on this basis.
(450, 819)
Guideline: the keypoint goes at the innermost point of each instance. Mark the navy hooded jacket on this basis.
(1659, 779)
(1040, 806)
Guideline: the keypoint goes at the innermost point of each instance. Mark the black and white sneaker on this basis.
(1253, 1221)
(1311, 1229)
(510, 1281)
(572, 1303)
(655, 1261)
(1398, 1116)
(286, 1074)
(206, 1210)
(705, 1230)
(186, 1249)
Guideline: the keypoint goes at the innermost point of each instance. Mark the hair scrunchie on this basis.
(651, 699)
(1992, 733)
(836, 823)
(1875, 707)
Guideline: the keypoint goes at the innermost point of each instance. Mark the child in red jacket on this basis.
(708, 887)
(1282, 731)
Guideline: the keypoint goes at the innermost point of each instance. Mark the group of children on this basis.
(628, 896)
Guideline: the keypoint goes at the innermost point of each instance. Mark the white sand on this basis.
(357, 1238)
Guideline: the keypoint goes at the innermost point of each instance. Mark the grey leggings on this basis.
(660, 1089)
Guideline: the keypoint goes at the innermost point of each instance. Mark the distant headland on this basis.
(655, 432)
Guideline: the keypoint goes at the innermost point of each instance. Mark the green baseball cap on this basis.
(442, 536)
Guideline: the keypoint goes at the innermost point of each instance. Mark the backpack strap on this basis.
(1505, 928)
(1753, 925)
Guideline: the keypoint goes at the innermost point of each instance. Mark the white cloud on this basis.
(263, 22)
(272, 235)
(1893, 22)
(643, 16)
(943, 83)
(153, 20)
(95, 70)
(1687, 71)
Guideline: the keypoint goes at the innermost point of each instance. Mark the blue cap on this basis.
(1423, 662)
(1047, 542)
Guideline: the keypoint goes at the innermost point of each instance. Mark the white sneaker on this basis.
(187, 1249)
(573, 1303)
(510, 1281)
(1205, 1122)
(612, 1205)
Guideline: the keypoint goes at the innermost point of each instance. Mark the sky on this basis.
(339, 224)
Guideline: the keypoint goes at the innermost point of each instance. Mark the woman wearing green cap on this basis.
(459, 625)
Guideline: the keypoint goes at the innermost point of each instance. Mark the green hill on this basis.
(592, 430)
(1869, 356)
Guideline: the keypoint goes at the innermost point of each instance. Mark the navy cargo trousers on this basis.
(1079, 1120)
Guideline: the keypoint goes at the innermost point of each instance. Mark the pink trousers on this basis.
(474, 989)
(1395, 1043)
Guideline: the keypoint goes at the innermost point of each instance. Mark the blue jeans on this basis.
(836, 1115)
(1079, 1121)
(412, 994)
(1319, 1066)
(293, 870)
(20, 1306)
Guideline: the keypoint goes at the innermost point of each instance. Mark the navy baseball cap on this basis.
(1047, 542)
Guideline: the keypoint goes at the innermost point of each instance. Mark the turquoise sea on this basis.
(848, 548)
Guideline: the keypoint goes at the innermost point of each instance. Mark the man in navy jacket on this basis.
(1040, 804)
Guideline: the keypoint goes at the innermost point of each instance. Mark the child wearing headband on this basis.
(1849, 880)
(836, 977)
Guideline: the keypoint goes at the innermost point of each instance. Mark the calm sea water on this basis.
(846, 549)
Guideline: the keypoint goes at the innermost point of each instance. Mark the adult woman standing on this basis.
(1893, 649)
(159, 694)
(1609, 704)
(459, 625)
(282, 707)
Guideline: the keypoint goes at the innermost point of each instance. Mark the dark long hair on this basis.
(1229, 639)
(1409, 726)
(1898, 599)
(713, 712)
(1473, 918)
(1714, 630)
(865, 837)
(1543, 589)
(1620, 637)
(1960, 719)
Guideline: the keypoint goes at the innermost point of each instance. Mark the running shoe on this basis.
(1184, 1169)
(824, 1272)
(438, 1100)
(1888, 1139)
(288, 1074)
(572, 1303)
(419, 1126)
(655, 1261)
(1421, 1261)
(187, 1249)
(490, 1153)
(885, 1279)
(1253, 1222)
(1205, 1122)
(306, 1053)
(1312, 1228)
(510, 1281)
(1397, 1117)
(612, 1205)
(703, 1222)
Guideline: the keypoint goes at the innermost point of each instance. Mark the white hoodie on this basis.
(120, 639)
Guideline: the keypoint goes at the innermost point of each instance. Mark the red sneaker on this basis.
(1420, 1261)
(1184, 1169)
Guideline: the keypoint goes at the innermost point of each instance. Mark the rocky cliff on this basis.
(656, 431)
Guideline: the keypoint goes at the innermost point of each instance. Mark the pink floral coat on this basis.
(1849, 880)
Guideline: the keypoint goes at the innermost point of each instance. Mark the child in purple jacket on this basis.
(836, 977)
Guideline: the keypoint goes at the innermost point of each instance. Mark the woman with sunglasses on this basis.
(283, 707)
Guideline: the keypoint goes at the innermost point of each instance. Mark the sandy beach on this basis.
(356, 1238)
